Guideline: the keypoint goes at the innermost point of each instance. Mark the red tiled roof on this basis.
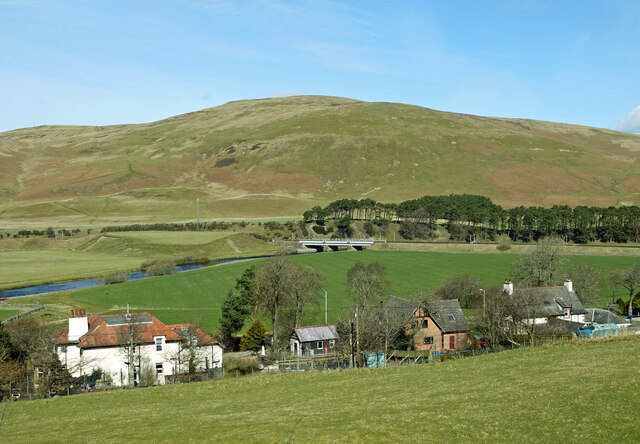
(203, 338)
(102, 334)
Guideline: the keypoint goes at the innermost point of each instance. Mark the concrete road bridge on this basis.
(336, 244)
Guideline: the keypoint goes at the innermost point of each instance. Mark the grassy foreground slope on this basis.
(575, 392)
(174, 298)
(278, 157)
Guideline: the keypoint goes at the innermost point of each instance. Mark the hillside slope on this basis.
(575, 392)
(277, 157)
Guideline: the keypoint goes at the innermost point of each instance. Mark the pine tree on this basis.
(255, 336)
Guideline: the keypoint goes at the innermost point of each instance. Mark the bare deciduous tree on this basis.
(273, 282)
(541, 265)
(366, 282)
(630, 280)
(586, 281)
(284, 289)
(129, 336)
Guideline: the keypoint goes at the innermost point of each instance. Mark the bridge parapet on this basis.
(334, 244)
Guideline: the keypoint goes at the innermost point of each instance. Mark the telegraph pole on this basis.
(357, 336)
(325, 306)
(198, 214)
(351, 343)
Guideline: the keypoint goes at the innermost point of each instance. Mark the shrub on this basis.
(370, 229)
(158, 267)
(190, 260)
(320, 230)
(115, 277)
(255, 336)
(240, 365)
(415, 230)
(504, 243)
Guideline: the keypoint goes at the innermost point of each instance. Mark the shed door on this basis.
(452, 342)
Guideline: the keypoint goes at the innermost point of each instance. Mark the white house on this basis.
(546, 303)
(108, 342)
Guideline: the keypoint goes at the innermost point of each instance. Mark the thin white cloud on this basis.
(286, 93)
(631, 123)
(344, 57)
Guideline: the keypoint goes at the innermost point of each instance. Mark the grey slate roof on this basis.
(552, 300)
(401, 307)
(315, 333)
(447, 314)
(600, 316)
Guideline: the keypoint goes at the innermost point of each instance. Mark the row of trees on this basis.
(479, 216)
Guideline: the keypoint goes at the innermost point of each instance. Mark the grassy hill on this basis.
(573, 392)
(275, 158)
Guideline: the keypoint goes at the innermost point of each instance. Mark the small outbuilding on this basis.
(313, 340)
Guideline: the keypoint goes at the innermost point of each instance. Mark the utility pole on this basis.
(484, 300)
(325, 306)
(357, 336)
(198, 214)
(351, 344)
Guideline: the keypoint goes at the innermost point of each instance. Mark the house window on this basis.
(567, 313)
(451, 317)
(427, 340)
(425, 323)
(159, 368)
(319, 344)
(158, 344)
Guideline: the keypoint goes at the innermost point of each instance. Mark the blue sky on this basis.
(108, 62)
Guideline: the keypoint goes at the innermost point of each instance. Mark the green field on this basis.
(6, 313)
(572, 392)
(174, 298)
(39, 260)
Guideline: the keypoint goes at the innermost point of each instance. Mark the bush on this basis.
(370, 229)
(415, 230)
(504, 243)
(319, 229)
(115, 277)
(191, 260)
(159, 267)
(240, 365)
(255, 336)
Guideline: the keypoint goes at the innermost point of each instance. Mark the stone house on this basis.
(441, 327)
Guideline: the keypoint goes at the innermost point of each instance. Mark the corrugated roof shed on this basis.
(316, 333)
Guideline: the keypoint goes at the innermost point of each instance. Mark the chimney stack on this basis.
(568, 283)
(508, 287)
(78, 324)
